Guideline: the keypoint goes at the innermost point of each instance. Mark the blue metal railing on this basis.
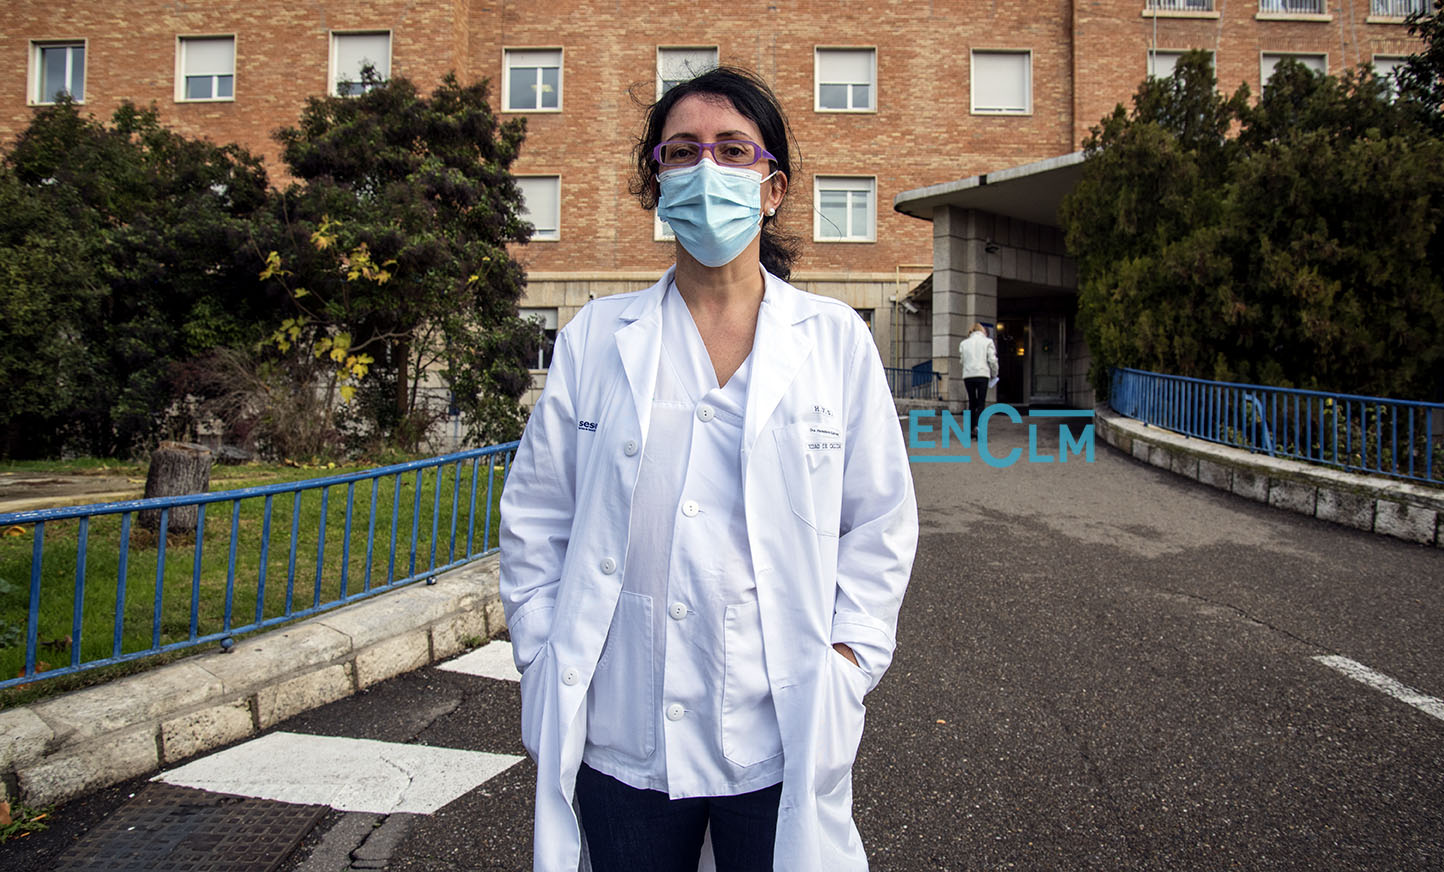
(1373, 435)
(915, 383)
(173, 616)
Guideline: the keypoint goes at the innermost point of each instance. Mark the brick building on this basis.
(884, 97)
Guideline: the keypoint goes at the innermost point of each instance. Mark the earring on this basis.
(771, 211)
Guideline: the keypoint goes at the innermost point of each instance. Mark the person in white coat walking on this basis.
(706, 532)
(980, 364)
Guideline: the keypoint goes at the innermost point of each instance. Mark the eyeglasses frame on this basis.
(711, 147)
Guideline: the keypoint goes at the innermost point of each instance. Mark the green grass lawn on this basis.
(302, 558)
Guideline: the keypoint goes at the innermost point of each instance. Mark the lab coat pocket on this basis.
(620, 706)
(749, 719)
(839, 730)
(533, 682)
(811, 458)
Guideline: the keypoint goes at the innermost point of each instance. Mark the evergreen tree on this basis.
(1295, 242)
(123, 251)
(412, 196)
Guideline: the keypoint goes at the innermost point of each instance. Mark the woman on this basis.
(980, 364)
(707, 531)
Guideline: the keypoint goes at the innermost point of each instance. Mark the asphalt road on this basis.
(1100, 666)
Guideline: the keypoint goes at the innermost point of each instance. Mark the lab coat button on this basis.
(629, 447)
(609, 565)
(678, 611)
(705, 412)
(570, 676)
(690, 508)
(675, 712)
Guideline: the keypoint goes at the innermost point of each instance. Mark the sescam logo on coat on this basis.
(589, 426)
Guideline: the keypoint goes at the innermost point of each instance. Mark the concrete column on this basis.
(965, 290)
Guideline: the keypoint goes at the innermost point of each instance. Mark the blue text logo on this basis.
(950, 429)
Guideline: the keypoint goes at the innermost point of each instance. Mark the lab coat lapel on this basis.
(640, 345)
(778, 352)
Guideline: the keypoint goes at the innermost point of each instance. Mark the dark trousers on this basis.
(977, 396)
(631, 830)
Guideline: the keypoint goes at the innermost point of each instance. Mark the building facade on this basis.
(884, 97)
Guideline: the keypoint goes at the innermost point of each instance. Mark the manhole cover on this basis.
(179, 829)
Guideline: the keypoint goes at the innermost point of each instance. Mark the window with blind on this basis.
(547, 320)
(846, 80)
(1269, 61)
(542, 205)
(207, 68)
(1002, 82)
(351, 53)
(844, 209)
(677, 65)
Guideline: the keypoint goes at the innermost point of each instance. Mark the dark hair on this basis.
(753, 100)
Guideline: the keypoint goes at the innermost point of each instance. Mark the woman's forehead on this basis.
(704, 116)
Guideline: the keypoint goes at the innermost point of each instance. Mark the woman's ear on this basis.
(776, 191)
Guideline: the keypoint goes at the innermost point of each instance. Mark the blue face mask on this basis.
(715, 211)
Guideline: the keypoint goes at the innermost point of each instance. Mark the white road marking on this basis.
(492, 660)
(346, 774)
(1429, 705)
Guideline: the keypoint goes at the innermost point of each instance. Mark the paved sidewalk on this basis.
(1100, 666)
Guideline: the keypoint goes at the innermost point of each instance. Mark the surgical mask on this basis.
(715, 211)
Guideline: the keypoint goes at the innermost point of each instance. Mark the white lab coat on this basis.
(832, 527)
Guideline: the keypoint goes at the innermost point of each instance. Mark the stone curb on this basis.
(60, 748)
(1390, 508)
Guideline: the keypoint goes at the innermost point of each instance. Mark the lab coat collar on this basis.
(778, 350)
(639, 342)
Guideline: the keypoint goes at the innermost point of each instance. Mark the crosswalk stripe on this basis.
(492, 660)
(347, 774)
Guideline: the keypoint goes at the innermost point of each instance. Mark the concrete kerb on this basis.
(1391, 508)
(59, 748)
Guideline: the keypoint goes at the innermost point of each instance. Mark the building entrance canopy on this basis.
(998, 258)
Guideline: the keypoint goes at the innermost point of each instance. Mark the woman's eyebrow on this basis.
(721, 136)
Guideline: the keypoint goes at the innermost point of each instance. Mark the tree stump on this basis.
(176, 469)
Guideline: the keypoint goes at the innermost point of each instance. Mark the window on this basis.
(846, 80)
(677, 65)
(207, 68)
(59, 68)
(1318, 63)
(866, 316)
(845, 210)
(1387, 67)
(661, 230)
(541, 205)
(1180, 5)
(547, 318)
(1397, 8)
(1292, 7)
(1161, 63)
(350, 52)
(1003, 82)
(533, 80)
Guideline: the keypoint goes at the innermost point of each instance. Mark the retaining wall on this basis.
(62, 747)
(1381, 505)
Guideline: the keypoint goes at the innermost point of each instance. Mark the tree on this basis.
(392, 243)
(1295, 242)
(123, 251)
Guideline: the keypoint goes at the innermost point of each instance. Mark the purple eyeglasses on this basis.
(726, 152)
